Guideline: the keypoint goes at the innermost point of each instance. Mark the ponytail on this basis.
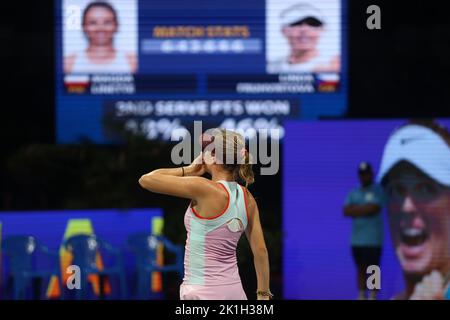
(245, 171)
(231, 144)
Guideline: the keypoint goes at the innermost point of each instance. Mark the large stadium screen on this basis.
(409, 162)
(152, 67)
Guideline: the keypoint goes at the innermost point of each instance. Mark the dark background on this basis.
(400, 71)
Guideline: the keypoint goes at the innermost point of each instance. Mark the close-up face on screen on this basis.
(226, 152)
(407, 163)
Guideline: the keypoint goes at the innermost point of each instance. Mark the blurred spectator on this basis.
(363, 205)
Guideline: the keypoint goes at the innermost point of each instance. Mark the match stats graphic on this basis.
(152, 67)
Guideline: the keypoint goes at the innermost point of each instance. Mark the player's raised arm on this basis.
(185, 182)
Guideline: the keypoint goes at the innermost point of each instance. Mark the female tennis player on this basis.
(219, 212)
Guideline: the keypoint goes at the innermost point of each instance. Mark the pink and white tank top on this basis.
(210, 252)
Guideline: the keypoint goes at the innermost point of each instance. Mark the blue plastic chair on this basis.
(22, 252)
(144, 246)
(84, 249)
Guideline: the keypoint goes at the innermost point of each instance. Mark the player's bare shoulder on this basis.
(250, 201)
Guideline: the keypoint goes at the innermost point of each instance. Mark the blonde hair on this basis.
(230, 145)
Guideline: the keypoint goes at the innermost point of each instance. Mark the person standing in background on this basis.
(364, 205)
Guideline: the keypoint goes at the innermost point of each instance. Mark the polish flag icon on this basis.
(76, 83)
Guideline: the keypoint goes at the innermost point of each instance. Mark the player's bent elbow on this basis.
(144, 182)
(141, 181)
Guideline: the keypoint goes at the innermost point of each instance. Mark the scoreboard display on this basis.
(154, 66)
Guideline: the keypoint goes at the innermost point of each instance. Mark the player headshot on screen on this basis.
(415, 172)
(303, 26)
(100, 24)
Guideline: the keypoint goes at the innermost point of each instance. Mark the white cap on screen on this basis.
(420, 146)
(299, 12)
